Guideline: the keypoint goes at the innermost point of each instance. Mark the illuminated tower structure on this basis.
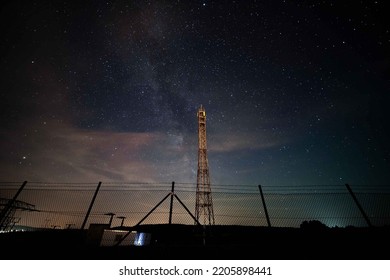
(204, 203)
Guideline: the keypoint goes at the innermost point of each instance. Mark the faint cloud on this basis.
(241, 141)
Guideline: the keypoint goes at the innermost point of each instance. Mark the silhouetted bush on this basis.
(313, 224)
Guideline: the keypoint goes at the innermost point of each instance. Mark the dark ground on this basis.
(221, 242)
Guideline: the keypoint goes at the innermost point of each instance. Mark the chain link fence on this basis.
(77, 205)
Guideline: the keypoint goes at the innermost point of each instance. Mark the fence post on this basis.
(358, 205)
(3, 215)
(90, 205)
(171, 206)
(265, 207)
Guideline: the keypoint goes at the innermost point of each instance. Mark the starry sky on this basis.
(295, 92)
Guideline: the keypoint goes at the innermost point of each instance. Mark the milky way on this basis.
(296, 92)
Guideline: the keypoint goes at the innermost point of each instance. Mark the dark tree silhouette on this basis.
(313, 224)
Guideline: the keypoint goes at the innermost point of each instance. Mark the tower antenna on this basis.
(204, 202)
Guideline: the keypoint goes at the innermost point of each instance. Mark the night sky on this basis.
(295, 92)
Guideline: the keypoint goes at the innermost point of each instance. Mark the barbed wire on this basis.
(191, 187)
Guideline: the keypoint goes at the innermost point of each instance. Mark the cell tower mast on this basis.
(204, 203)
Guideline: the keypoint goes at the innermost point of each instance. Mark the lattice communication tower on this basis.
(204, 202)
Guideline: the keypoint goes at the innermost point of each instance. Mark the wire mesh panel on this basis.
(238, 205)
(132, 201)
(61, 205)
(56, 205)
(290, 206)
(184, 204)
(375, 200)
